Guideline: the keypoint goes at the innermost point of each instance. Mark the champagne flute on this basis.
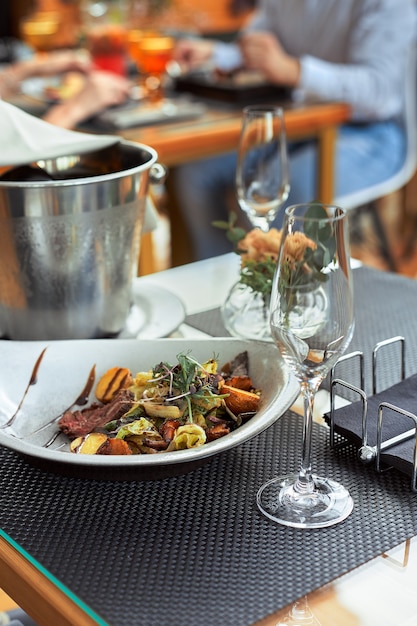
(300, 613)
(262, 177)
(311, 319)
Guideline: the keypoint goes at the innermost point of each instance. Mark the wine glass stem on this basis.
(261, 222)
(305, 483)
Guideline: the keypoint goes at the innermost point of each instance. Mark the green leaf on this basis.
(236, 234)
(316, 211)
(233, 233)
(221, 224)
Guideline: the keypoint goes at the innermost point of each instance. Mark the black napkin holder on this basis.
(229, 90)
(383, 426)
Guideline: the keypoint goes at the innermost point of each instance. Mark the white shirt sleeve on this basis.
(372, 79)
(349, 50)
(227, 56)
(368, 92)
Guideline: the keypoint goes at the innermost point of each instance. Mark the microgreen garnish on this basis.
(188, 378)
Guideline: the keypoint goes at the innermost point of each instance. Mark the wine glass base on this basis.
(329, 503)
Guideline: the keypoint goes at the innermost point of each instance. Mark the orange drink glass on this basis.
(155, 52)
(151, 52)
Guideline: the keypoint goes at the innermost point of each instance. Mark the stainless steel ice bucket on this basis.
(69, 243)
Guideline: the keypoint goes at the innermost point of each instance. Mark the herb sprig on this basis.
(189, 379)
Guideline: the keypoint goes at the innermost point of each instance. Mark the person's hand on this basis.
(100, 91)
(52, 63)
(58, 62)
(263, 52)
(42, 65)
(192, 53)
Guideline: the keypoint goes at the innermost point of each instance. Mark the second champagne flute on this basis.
(262, 176)
(312, 321)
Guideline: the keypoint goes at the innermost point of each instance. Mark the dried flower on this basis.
(259, 246)
(306, 256)
(296, 246)
(259, 253)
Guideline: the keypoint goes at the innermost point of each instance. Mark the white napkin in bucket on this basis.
(26, 138)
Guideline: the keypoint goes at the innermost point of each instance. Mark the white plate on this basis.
(145, 114)
(155, 313)
(60, 376)
(37, 87)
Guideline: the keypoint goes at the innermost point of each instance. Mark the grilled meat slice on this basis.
(80, 423)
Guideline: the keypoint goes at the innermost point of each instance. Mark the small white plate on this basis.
(155, 313)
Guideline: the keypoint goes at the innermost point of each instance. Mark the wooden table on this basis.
(217, 132)
(37, 594)
(341, 603)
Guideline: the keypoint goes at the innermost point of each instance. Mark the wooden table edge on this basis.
(221, 136)
(36, 594)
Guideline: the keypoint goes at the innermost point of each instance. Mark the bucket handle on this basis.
(158, 174)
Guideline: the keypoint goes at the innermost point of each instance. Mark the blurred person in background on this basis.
(96, 91)
(353, 51)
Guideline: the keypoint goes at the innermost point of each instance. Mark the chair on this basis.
(370, 195)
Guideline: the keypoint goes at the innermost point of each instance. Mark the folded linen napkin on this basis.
(26, 138)
(348, 422)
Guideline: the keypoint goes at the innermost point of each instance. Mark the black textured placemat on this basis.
(210, 322)
(385, 306)
(195, 550)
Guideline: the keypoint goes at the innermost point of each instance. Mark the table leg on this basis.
(181, 249)
(326, 163)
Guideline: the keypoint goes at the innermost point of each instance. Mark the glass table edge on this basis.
(53, 579)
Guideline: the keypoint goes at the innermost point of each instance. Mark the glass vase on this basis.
(245, 313)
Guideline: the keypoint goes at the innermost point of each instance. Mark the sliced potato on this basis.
(239, 400)
(164, 411)
(88, 444)
(240, 382)
(75, 444)
(140, 383)
(115, 379)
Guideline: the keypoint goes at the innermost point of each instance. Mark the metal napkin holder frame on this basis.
(367, 454)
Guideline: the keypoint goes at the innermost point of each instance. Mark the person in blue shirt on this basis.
(353, 51)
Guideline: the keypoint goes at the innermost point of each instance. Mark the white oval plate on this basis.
(60, 375)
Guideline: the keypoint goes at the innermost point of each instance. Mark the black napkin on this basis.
(348, 422)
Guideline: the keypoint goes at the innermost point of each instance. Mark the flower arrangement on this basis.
(306, 253)
(258, 253)
(305, 259)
